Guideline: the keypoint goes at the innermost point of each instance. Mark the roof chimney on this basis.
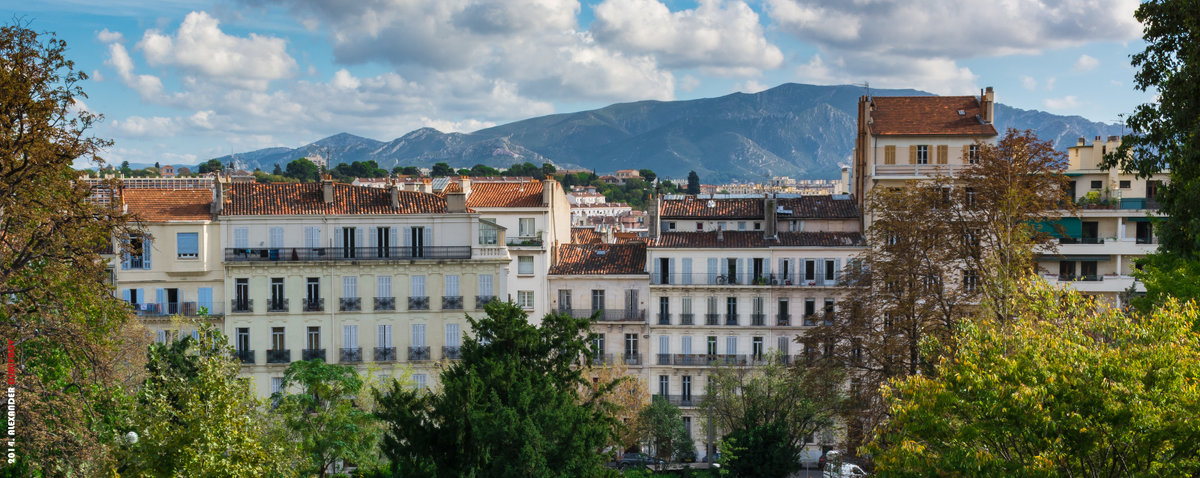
(218, 204)
(465, 183)
(655, 220)
(426, 185)
(327, 188)
(770, 216)
(720, 233)
(987, 103)
(456, 202)
(394, 194)
(548, 186)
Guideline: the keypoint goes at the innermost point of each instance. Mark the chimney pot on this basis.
(327, 189)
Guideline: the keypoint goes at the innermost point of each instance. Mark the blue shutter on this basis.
(337, 238)
(394, 237)
(146, 246)
(767, 269)
(407, 237)
(161, 298)
(725, 269)
(671, 272)
(658, 272)
(837, 270)
(712, 270)
(373, 238)
(125, 294)
(428, 237)
(687, 270)
(204, 298)
(741, 271)
(358, 237)
(142, 295)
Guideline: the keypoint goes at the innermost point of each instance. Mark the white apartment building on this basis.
(610, 282)
(734, 279)
(537, 217)
(352, 275)
(175, 266)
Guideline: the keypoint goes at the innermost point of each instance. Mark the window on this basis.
(670, 225)
(1087, 269)
(525, 299)
(687, 421)
(417, 286)
(314, 338)
(1097, 184)
(350, 336)
(384, 337)
(598, 344)
(889, 154)
(187, 245)
(631, 345)
(525, 227)
(664, 385)
(686, 388)
(349, 287)
(276, 237)
(416, 238)
(349, 242)
(485, 285)
(453, 335)
(241, 341)
(756, 348)
(241, 237)
(524, 264)
(597, 299)
(383, 286)
(277, 293)
(383, 242)
(830, 270)
(488, 234)
(758, 226)
(276, 385)
(741, 225)
(810, 310)
(241, 294)
(970, 281)
(712, 345)
(970, 197)
(419, 381)
(313, 289)
(138, 255)
(731, 312)
(564, 299)
(418, 335)
(1125, 184)
(923, 154)
(699, 226)
(277, 339)
(731, 343)
(810, 270)
(973, 154)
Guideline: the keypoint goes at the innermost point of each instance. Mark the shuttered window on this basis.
(889, 154)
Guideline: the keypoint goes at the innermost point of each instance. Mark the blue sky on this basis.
(180, 82)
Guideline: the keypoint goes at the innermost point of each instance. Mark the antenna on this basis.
(864, 84)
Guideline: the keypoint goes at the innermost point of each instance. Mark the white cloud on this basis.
(1066, 103)
(140, 126)
(1086, 63)
(96, 76)
(688, 83)
(464, 126)
(1050, 83)
(750, 86)
(148, 86)
(936, 75)
(106, 36)
(344, 80)
(201, 49)
(717, 33)
(1028, 82)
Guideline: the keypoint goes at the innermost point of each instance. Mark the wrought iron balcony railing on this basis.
(418, 303)
(350, 304)
(385, 303)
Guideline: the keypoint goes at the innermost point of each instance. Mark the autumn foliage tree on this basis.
(75, 351)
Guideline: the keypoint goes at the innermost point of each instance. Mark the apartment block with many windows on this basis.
(609, 282)
(353, 275)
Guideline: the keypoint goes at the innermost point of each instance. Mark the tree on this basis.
(548, 170)
(125, 169)
(196, 417)
(512, 407)
(278, 171)
(406, 170)
(483, 170)
(1067, 387)
(661, 426)
(211, 166)
(74, 341)
(303, 170)
(762, 450)
(693, 183)
(441, 170)
(523, 169)
(647, 175)
(323, 417)
(625, 394)
(789, 402)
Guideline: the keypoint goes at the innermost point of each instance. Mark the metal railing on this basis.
(602, 359)
(350, 304)
(687, 319)
(783, 320)
(526, 241)
(279, 356)
(632, 359)
(418, 303)
(294, 254)
(731, 319)
(241, 305)
(317, 305)
(685, 400)
(705, 360)
(743, 279)
(280, 305)
(1084, 278)
(385, 354)
(244, 356)
(418, 354)
(810, 320)
(1080, 240)
(712, 319)
(758, 319)
(482, 300)
(452, 353)
(350, 354)
(664, 318)
(313, 354)
(452, 302)
(608, 315)
(385, 303)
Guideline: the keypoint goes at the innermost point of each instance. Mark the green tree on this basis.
(647, 175)
(764, 450)
(196, 417)
(441, 170)
(304, 170)
(514, 406)
(693, 184)
(278, 171)
(548, 170)
(211, 166)
(78, 353)
(1068, 387)
(125, 169)
(662, 429)
(406, 170)
(483, 170)
(323, 417)
(791, 402)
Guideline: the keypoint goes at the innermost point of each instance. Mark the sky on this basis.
(179, 82)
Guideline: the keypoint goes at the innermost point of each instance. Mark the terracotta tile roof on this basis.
(628, 238)
(505, 194)
(803, 207)
(927, 115)
(581, 259)
(585, 235)
(754, 239)
(253, 199)
(161, 205)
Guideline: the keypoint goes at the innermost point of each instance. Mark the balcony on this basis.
(246, 357)
(712, 319)
(325, 254)
(744, 279)
(385, 354)
(602, 359)
(418, 354)
(349, 355)
(279, 356)
(664, 318)
(350, 304)
(783, 320)
(1138, 203)
(452, 302)
(418, 303)
(632, 359)
(186, 309)
(313, 305)
(1080, 240)
(385, 303)
(277, 305)
(731, 319)
(702, 360)
(687, 319)
(313, 354)
(608, 315)
(241, 306)
(810, 320)
(758, 320)
(685, 400)
(1082, 277)
(919, 169)
(452, 353)
(523, 241)
(482, 300)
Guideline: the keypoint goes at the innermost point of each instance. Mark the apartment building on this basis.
(735, 279)
(174, 266)
(608, 281)
(536, 216)
(1112, 227)
(352, 275)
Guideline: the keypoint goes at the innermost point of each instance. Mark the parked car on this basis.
(636, 460)
(848, 470)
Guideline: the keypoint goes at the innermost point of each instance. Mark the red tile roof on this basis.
(584, 235)
(803, 207)
(253, 199)
(628, 238)
(505, 194)
(583, 259)
(754, 239)
(161, 205)
(928, 115)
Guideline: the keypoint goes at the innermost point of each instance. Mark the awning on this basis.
(1065, 227)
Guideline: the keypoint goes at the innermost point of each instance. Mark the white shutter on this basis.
(783, 345)
(452, 285)
(687, 271)
(712, 270)
(241, 237)
(418, 286)
(664, 344)
(358, 237)
(385, 336)
(339, 233)
(349, 286)
(485, 285)
(418, 335)
(312, 237)
(685, 345)
(428, 242)
(731, 345)
(350, 336)
(276, 237)
(453, 335)
(383, 286)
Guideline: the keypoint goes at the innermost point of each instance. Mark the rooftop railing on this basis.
(300, 254)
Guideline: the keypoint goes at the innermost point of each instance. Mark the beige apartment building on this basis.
(352, 275)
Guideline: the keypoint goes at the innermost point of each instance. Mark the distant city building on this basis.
(166, 171)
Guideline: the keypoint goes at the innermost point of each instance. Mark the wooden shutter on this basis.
(889, 154)
(912, 154)
(943, 153)
(966, 155)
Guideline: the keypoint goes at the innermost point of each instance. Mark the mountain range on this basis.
(796, 130)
